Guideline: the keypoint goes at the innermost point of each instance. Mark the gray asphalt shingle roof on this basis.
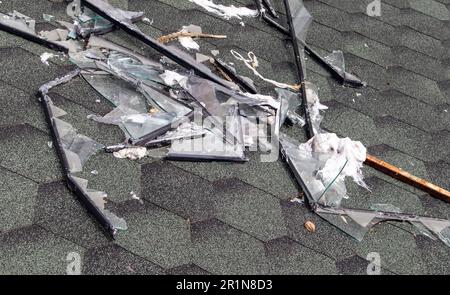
(227, 218)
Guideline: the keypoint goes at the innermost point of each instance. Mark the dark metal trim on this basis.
(136, 33)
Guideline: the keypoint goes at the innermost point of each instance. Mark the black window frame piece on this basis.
(107, 11)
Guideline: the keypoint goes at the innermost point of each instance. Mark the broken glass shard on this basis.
(301, 19)
(117, 91)
(385, 208)
(133, 68)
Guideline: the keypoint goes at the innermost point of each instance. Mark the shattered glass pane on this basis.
(346, 224)
(75, 149)
(123, 20)
(140, 125)
(439, 227)
(117, 91)
(121, 63)
(90, 22)
(98, 42)
(215, 145)
(163, 102)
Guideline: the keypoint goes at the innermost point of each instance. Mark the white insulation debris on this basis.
(132, 153)
(334, 153)
(46, 56)
(227, 12)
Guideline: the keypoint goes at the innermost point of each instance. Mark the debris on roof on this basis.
(185, 37)
(185, 106)
(227, 12)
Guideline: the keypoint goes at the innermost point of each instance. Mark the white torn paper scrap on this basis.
(227, 12)
(172, 78)
(189, 43)
(46, 56)
(132, 153)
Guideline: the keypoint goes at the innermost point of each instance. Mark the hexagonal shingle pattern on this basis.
(226, 218)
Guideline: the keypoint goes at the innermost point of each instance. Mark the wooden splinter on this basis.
(408, 178)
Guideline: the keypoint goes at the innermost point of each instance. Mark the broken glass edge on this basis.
(345, 77)
(139, 86)
(239, 80)
(112, 14)
(363, 218)
(78, 186)
(30, 36)
(237, 154)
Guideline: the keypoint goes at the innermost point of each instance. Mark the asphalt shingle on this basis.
(228, 218)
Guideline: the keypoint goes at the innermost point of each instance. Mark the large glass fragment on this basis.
(74, 150)
(117, 91)
(301, 19)
(133, 68)
(213, 146)
(22, 25)
(143, 111)
(98, 42)
(289, 103)
(123, 21)
(210, 94)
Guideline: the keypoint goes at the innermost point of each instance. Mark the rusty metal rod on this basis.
(408, 178)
